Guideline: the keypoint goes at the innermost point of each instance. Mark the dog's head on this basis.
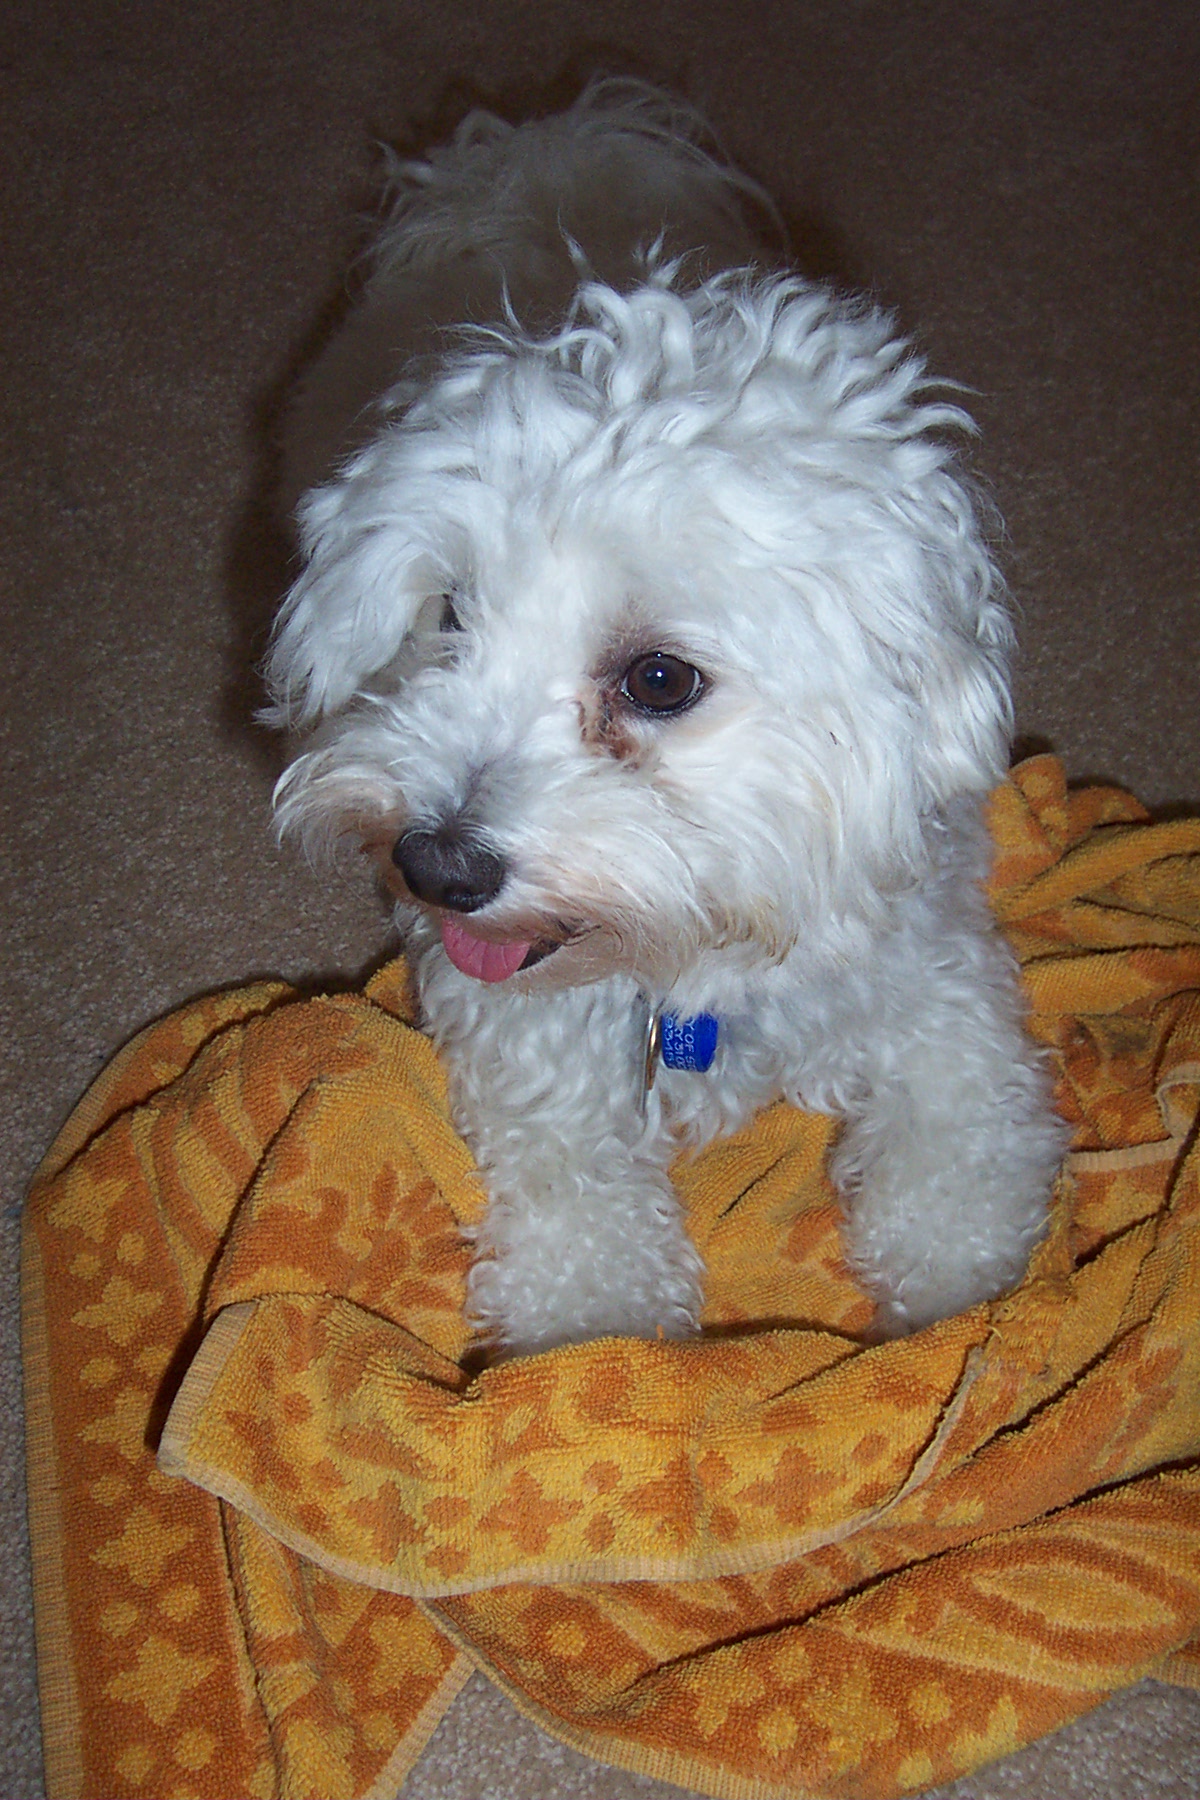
(669, 634)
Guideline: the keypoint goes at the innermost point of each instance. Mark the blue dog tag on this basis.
(689, 1043)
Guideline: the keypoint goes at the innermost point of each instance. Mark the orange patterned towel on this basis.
(771, 1561)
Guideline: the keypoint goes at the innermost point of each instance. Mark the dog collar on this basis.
(679, 1043)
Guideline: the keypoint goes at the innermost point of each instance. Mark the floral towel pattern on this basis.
(772, 1561)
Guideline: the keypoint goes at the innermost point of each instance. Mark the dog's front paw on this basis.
(936, 1251)
(604, 1262)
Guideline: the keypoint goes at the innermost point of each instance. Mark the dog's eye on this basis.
(448, 619)
(660, 684)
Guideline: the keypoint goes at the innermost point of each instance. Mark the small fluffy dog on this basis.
(648, 638)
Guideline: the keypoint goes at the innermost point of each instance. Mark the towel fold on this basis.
(773, 1560)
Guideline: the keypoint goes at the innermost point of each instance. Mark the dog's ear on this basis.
(354, 604)
(864, 437)
(955, 660)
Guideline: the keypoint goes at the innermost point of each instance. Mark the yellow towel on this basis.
(770, 1561)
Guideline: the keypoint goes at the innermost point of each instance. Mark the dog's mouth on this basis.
(488, 961)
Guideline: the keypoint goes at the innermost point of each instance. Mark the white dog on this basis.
(648, 638)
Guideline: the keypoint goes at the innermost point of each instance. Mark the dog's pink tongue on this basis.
(474, 956)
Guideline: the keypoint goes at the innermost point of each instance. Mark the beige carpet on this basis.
(181, 184)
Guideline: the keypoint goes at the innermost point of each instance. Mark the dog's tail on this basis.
(502, 225)
(625, 175)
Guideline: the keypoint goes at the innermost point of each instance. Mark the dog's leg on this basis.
(584, 1236)
(948, 1155)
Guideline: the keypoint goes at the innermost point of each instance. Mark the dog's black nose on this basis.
(448, 866)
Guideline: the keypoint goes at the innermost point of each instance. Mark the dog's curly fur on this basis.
(646, 625)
